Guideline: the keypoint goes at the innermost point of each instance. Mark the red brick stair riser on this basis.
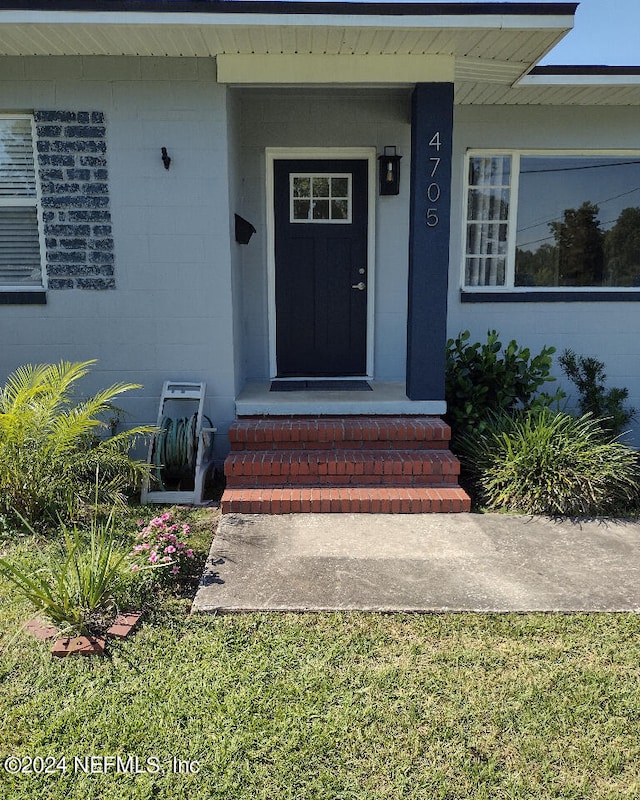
(253, 462)
(363, 500)
(378, 444)
(252, 468)
(353, 432)
(341, 481)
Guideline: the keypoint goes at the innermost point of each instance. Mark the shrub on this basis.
(160, 547)
(546, 462)
(77, 586)
(50, 454)
(607, 405)
(485, 378)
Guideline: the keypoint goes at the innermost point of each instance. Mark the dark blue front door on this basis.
(321, 219)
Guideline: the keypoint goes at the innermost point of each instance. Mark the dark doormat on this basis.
(328, 385)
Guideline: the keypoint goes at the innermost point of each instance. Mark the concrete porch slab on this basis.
(385, 398)
(420, 563)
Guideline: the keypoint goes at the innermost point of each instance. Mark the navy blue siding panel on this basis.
(431, 136)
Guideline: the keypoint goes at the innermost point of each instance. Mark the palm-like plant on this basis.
(78, 583)
(51, 453)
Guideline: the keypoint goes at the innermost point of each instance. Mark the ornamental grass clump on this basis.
(546, 462)
(79, 582)
(160, 547)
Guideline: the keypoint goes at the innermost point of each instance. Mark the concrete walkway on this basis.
(424, 562)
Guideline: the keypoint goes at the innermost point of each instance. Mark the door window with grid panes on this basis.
(320, 198)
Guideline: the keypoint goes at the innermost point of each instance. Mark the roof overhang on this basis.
(499, 41)
(581, 85)
(489, 50)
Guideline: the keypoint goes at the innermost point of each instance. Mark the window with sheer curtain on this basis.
(548, 220)
(20, 241)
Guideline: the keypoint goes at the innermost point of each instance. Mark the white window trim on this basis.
(30, 201)
(321, 153)
(516, 155)
(311, 175)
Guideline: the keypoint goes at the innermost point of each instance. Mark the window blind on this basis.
(20, 255)
(19, 247)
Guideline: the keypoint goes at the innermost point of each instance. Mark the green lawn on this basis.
(328, 706)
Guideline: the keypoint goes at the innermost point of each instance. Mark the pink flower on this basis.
(158, 544)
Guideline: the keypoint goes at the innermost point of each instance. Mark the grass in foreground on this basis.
(331, 706)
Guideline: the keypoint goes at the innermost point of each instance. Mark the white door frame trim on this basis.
(322, 153)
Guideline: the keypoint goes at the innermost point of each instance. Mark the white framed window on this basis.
(21, 251)
(320, 198)
(548, 220)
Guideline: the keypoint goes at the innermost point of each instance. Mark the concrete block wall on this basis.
(169, 316)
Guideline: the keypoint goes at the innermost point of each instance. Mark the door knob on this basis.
(361, 286)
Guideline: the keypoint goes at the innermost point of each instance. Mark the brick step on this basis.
(277, 433)
(254, 482)
(354, 464)
(340, 467)
(359, 500)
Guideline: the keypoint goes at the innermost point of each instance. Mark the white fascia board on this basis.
(578, 80)
(488, 21)
(324, 69)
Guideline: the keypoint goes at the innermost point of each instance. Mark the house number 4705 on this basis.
(433, 189)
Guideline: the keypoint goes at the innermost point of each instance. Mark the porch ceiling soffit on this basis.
(482, 39)
(550, 86)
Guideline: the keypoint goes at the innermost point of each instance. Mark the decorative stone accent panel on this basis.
(72, 162)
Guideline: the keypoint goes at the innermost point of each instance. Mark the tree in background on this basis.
(622, 250)
(580, 241)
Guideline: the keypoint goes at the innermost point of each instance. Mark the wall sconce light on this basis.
(389, 171)
(166, 158)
